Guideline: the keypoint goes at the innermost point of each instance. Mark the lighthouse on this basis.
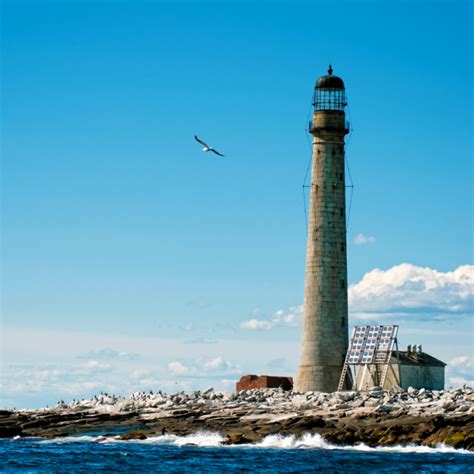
(324, 337)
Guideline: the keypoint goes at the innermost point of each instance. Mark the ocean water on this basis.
(204, 453)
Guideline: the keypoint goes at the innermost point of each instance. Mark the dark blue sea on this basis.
(203, 453)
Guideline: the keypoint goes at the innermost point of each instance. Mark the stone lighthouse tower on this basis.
(325, 326)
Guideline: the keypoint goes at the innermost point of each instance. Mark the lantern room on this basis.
(329, 93)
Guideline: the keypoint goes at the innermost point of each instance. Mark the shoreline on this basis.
(374, 418)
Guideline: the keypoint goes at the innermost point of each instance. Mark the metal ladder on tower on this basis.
(344, 372)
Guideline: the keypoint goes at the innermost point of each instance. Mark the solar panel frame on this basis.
(371, 344)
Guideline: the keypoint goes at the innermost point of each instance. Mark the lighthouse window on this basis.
(329, 99)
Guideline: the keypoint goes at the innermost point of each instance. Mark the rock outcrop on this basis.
(376, 418)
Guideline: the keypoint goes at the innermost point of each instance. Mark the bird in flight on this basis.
(206, 146)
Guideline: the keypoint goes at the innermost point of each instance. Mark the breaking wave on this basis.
(71, 439)
(203, 440)
(309, 440)
(214, 440)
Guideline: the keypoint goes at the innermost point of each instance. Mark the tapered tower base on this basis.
(325, 378)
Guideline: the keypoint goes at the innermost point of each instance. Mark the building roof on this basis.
(419, 358)
(330, 81)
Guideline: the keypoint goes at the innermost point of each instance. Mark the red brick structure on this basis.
(248, 382)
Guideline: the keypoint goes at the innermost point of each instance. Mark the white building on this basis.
(413, 368)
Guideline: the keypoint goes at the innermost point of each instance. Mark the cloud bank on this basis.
(57, 364)
(404, 291)
(407, 291)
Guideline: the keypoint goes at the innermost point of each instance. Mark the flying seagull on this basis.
(206, 146)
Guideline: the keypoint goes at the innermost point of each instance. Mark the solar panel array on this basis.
(371, 344)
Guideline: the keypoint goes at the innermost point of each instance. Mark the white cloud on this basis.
(460, 371)
(39, 366)
(408, 291)
(177, 368)
(203, 367)
(255, 324)
(221, 365)
(460, 381)
(75, 380)
(288, 317)
(362, 239)
(281, 318)
(98, 366)
(218, 363)
(107, 354)
(463, 364)
(140, 373)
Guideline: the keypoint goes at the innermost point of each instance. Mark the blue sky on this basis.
(116, 227)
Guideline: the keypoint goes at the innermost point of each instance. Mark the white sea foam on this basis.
(74, 439)
(307, 441)
(200, 439)
(410, 448)
(27, 438)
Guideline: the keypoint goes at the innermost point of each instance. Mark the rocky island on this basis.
(375, 418)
